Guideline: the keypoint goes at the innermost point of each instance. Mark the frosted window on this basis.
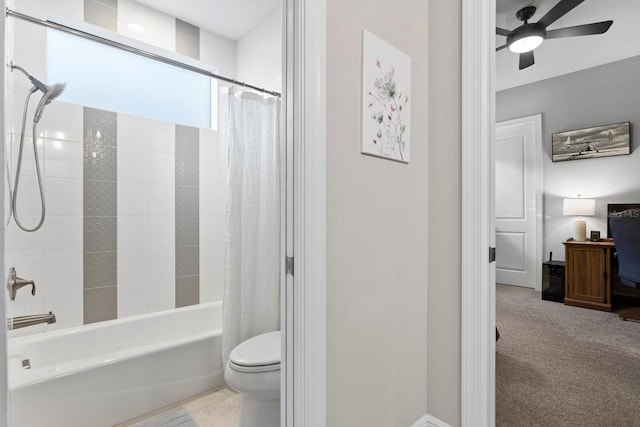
(112, 79)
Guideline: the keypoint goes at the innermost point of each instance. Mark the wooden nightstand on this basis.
(588, 274)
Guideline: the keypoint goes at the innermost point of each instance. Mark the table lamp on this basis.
(579, 208)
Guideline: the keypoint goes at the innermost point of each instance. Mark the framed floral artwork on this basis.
(386, 100)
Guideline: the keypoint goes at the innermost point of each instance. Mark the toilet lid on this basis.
(259, 351)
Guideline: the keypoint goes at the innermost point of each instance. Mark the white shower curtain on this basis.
(252, 261)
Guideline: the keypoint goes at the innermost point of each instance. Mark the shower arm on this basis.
(36, 83)
(12, 65)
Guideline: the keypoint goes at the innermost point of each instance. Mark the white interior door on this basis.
(518, 152)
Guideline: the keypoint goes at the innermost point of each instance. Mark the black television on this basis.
(618, 207)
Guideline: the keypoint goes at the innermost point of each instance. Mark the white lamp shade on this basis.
(578, 207)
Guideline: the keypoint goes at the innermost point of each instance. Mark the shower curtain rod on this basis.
(134, 50)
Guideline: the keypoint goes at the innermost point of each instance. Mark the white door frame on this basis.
(305, 308)
(478, 230)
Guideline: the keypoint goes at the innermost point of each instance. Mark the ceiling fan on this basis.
(527, 37)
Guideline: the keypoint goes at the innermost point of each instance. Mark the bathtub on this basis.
(105, 373)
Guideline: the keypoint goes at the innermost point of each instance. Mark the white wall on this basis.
(444, 210)
(596, 96)
(259, 54)
(377, 275)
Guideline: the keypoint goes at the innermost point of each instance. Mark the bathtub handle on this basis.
(14, 283)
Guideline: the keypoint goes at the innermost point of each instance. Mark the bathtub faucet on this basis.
(34, 319)
(14, 283)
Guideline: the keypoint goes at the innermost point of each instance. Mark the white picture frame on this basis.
(386, 100)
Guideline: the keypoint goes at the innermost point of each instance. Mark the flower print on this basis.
(389, 103)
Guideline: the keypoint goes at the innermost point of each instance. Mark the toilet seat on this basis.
(258, 354)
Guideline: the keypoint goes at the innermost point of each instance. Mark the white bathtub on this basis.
(109, 372)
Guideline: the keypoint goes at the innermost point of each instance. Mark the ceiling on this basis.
(234, 18)
(229, 18)
(561, 56)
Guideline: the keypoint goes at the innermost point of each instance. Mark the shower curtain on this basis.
(251, 303)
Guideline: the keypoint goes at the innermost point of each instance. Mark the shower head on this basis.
(50, 92)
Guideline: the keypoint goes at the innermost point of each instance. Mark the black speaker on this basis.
(553, 281)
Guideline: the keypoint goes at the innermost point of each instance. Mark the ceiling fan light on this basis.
(525, 44)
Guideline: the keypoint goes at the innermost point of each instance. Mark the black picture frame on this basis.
(595, 236)
(593, 142)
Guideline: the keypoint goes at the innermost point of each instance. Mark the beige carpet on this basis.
(564, 366)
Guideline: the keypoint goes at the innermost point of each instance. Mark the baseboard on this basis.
(429, 421)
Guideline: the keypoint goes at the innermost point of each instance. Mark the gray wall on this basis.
(597, 96)
(444, 210)
(376, 230)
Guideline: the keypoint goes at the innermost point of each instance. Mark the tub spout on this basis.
(14, 283)
(34, 319)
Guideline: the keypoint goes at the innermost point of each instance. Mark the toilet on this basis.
(253, 370)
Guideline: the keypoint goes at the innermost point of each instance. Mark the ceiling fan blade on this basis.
(526, 60)
(558, 11)
(499, 48)
(502, 31)
(580, 30)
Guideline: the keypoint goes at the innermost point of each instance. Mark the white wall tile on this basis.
(159, 27)
(219, 52)
(211, 173)
(211, 287)
(67, 307)
(133, 267)
(63, 159)
(259, 54)
(133, 198)
(73, 9)
(20, 243)
(132, 301)
(162, 199)
(62, 120)
(134, 165)
(162, 296)
(209, 144)
(162, 267)
(133, 232)
(212, 258)
(28, 49)
(212, 200)
(64, 196)
(25, 304)
(163, 168)
(162, 231)
(64, 274)
(63, 235)
(28, 202)
(143, 133)
(28, 162)
(162, 282)
(212, 229)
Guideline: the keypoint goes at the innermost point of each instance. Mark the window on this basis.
(109, 78)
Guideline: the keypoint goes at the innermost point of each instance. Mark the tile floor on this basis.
(213, 408)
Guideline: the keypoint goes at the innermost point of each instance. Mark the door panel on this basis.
(517, 203)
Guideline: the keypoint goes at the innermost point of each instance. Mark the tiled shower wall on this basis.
(135, 207)
(136, 218)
